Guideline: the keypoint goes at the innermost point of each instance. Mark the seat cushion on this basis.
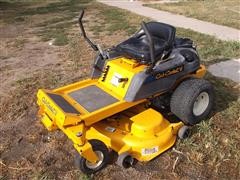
(138, 48)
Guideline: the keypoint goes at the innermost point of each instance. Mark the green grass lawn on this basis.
(223, 12)
(210, 48)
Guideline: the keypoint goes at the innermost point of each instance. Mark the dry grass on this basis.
(29, 152)
(223, 12)
(214, 143)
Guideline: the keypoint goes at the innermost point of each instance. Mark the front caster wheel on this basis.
(125, 160)
(183, 132)
(103, 155)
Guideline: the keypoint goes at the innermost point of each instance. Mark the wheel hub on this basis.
(91, 165)
(201, 103)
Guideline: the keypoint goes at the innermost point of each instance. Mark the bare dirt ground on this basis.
(28, 62)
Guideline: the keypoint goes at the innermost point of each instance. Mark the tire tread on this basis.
(184, 96)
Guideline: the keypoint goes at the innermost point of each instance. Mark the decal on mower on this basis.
(49, 106)
(115, 79)
(110, 129)
(169, 72)
(149, 151)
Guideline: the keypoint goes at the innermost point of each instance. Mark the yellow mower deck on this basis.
(128, 131)
(132, 132)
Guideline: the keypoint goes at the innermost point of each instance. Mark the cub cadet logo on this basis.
(169, 72)
(51, 108)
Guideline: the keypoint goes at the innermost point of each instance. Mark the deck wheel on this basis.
(184, 132)
(103, 155)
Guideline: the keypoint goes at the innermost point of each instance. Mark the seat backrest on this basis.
(162, 31)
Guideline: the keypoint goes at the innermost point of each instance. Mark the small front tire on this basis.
(103, 154)
(183, 132)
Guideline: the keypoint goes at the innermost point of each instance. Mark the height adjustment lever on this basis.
(122, 80)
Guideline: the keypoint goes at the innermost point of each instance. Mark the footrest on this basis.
(88, 101)
(56, 110)
(92, 98)
(63, 104)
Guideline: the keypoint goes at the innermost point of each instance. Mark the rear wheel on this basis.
(192, 100)
(103, 158)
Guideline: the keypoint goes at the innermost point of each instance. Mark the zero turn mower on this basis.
(120, 108)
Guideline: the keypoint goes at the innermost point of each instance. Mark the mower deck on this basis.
(129, 131)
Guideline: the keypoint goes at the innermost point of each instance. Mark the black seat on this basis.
(137, 46)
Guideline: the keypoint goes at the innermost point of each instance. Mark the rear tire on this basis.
(103, 154)
(192, 101)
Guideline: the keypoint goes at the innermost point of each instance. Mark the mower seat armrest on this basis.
(170, 64)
